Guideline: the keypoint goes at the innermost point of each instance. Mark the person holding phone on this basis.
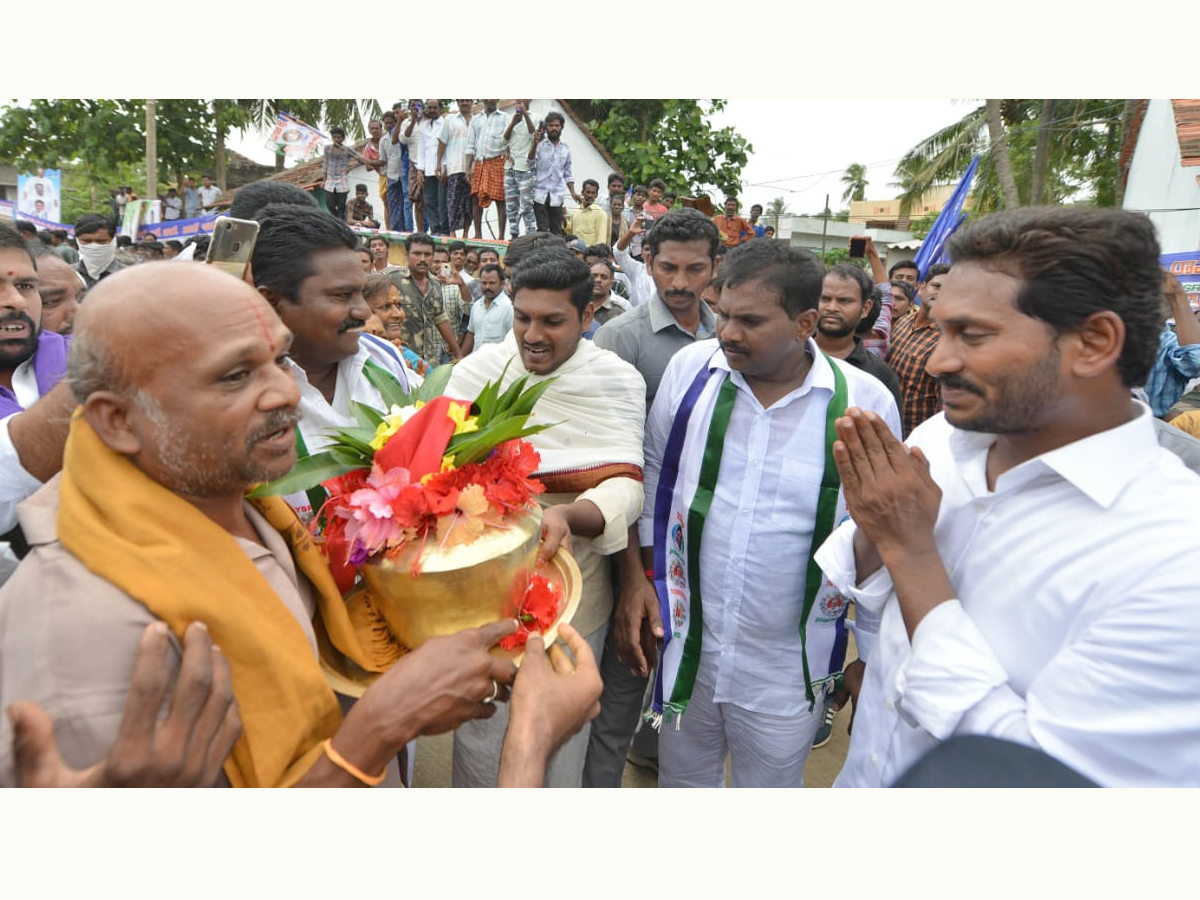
(519, 176)
(552, 168)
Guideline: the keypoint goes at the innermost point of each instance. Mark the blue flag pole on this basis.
(931, 251)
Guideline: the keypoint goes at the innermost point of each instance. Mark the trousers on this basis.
(397, 194)
(549, 218)
(613, 729)
(518, 199)
(336, 201)
(435, 206)
(764, 751)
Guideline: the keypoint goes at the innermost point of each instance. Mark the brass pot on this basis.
(464, 588)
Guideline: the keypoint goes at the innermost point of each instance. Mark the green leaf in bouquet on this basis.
(486, 401)
(472, 447)
(367, 416)
(434, 384)
(509, 397)
(525, 403)
(346, 456)
(307, 472)
(388, 387)
(357, 442)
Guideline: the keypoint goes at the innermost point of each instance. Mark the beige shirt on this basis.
(68, 638)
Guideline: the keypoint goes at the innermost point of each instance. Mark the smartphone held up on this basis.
(232, 245)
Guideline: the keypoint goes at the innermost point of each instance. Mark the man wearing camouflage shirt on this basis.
(428, 331)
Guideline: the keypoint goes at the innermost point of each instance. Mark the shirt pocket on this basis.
(792, 486)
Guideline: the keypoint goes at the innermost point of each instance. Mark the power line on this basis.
(1070, 120)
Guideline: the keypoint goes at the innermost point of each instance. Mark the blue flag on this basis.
(948, 220)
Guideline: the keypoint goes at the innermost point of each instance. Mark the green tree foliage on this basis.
(105, 134)
(1080, 142)
(836, 255)
(669, 139)
(920, 227)
(855, 179)
(777, 208)
(100, 144)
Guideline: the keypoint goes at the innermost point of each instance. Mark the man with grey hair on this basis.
(185, 402)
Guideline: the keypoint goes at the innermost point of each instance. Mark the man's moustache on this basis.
(955, 382)
(277, 421)
(18, 316)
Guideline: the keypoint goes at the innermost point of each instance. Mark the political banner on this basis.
(139, 213)
(45, 224)
(294, 138)
(1186, 267)
(39, 195)
(180, 229)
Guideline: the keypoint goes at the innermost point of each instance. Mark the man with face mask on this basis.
(97, 249)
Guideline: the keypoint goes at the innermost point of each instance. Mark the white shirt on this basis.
(641, 284)
(15, 483)
(426, 154)
(491, 323)
(209, 196)
(759, 528)
(412, 142)
(485, 137)
(389, 152)
(319, 418)
(518, 146)
(1075, 629)
(454, 135)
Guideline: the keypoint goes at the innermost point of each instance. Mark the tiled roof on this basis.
(1131, 138)
(1187, 127)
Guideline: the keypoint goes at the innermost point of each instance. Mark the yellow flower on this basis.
(463, 424)
(392, 423)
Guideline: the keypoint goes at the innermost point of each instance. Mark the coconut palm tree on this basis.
(855, 179)
(1058, 149)
(776, 210)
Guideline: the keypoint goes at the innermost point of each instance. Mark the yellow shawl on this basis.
(166, 554)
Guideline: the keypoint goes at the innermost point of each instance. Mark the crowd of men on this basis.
(967, 466)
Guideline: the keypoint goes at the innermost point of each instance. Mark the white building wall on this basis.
(1160, 185)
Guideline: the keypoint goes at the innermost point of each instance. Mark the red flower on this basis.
(441, 496)
(346, 484)
(410, 508)
(534, 601)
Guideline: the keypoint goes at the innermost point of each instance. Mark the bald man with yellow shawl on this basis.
(186, 401)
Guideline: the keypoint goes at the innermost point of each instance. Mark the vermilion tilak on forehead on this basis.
(262, 322)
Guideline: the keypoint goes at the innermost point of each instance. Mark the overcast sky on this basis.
(802, 147)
